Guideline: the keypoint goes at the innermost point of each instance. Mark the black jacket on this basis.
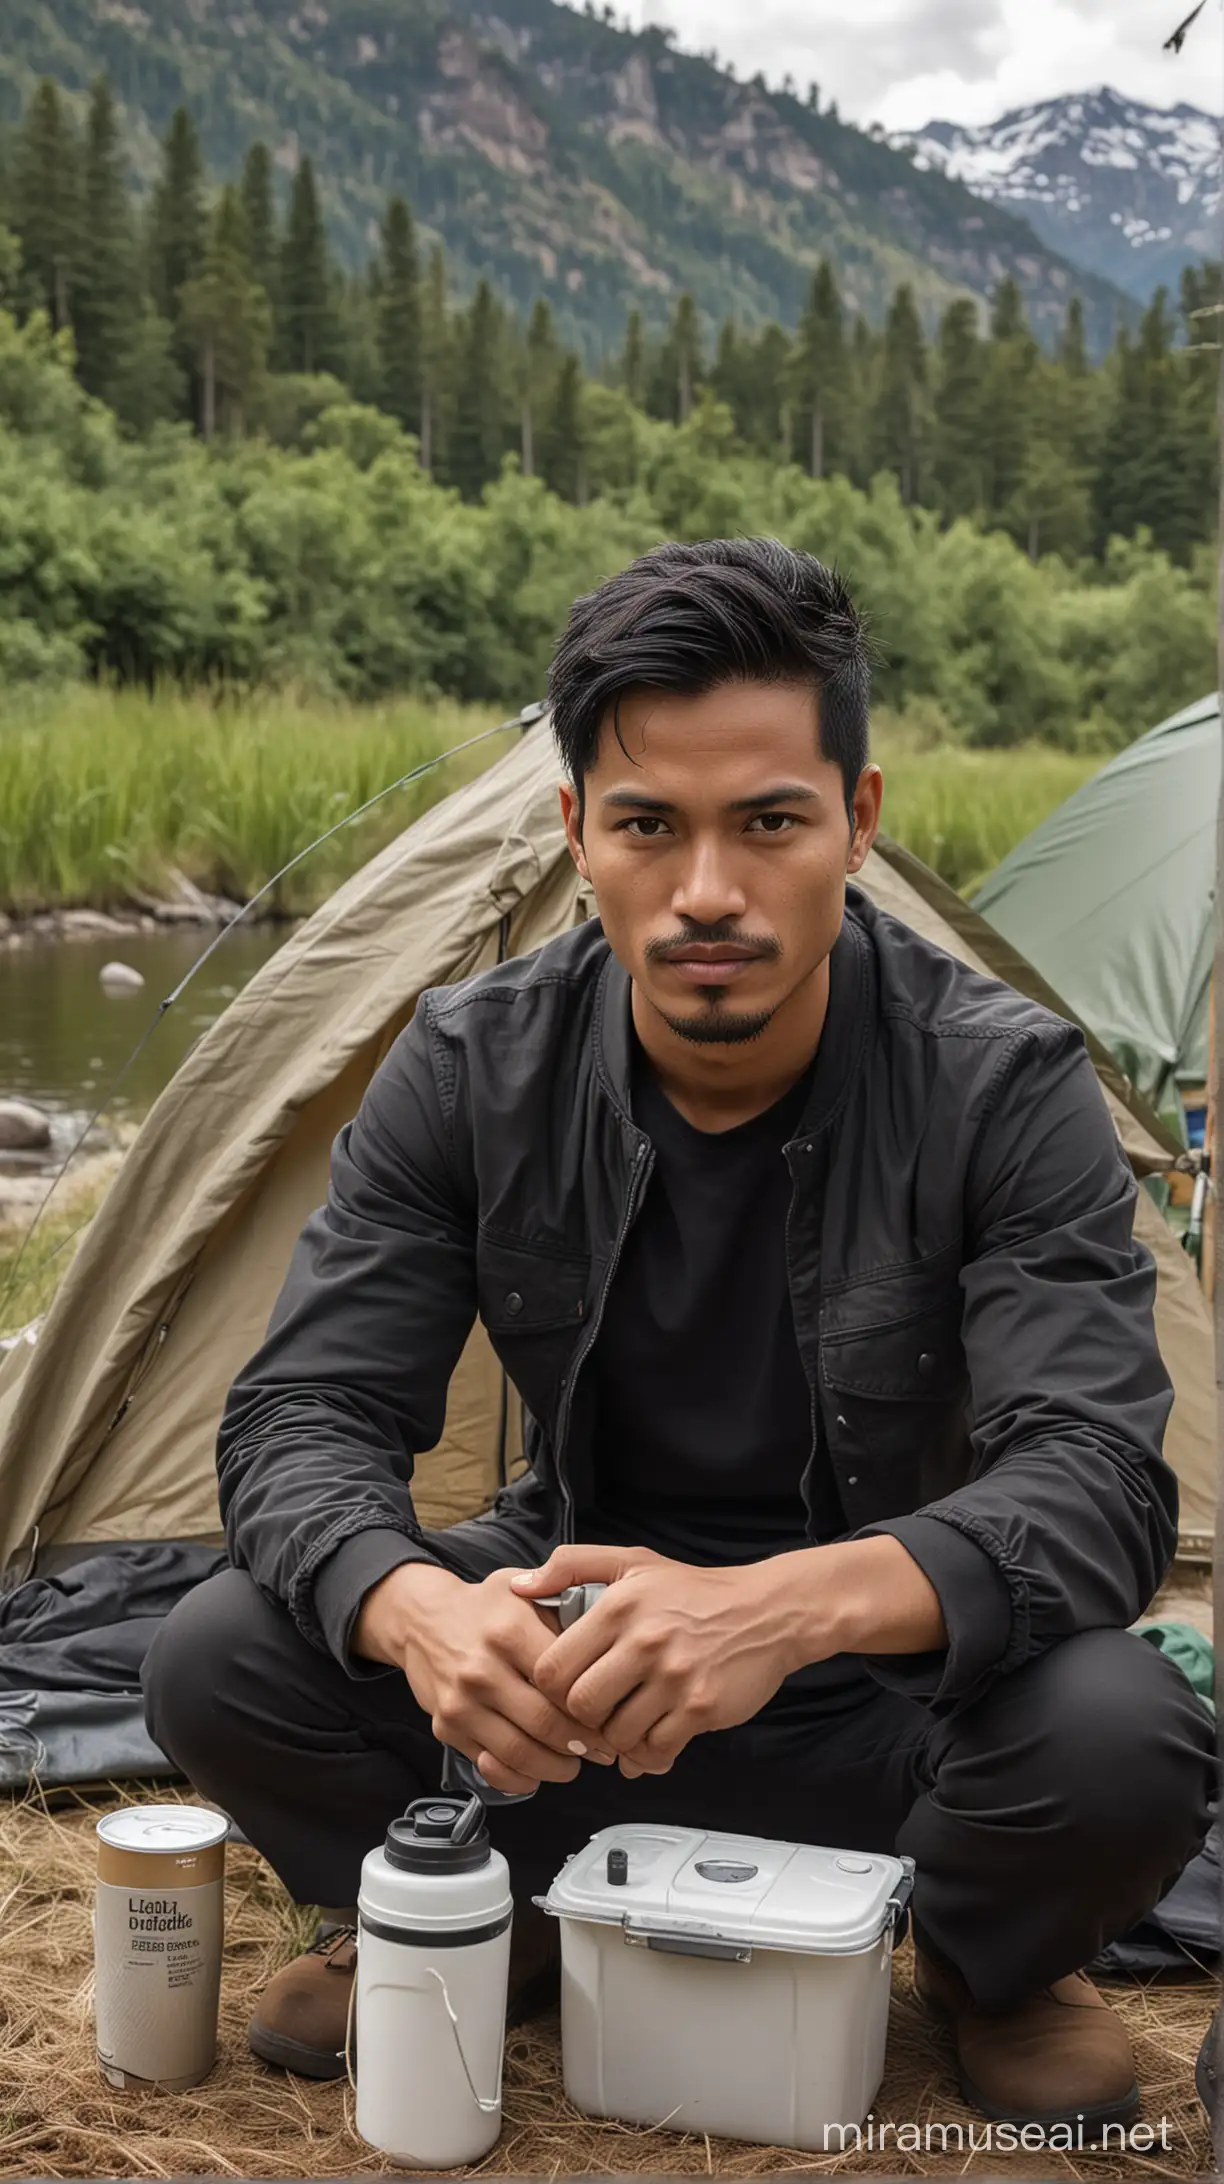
(974, 1316)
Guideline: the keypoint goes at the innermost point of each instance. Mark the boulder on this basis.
(120, 978)
(89, 923)
(23, 1128)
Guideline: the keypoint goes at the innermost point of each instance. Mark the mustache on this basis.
(762, 944)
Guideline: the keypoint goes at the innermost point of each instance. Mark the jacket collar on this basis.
(843, 1046)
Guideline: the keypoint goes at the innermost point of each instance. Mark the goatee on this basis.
(719, 1027)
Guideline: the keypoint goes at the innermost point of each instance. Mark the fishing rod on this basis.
(522, 721)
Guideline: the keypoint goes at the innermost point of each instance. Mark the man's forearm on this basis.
(859, 1596)
(392, 1610)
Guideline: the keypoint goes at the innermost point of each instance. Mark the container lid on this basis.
(736, 1888)
(439, 1835)
(172, 1829)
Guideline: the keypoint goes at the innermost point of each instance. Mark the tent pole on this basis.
(1216, 1090)
(1207, 1263)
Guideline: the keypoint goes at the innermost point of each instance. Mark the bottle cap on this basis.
(439, 1835)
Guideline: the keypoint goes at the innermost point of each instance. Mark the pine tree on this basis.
(819, 370)
(108, 289)
(1051, 510)
(259, 211)
(539, 376)
(357, 311)
(307, 327)
(753, 377)
(179, 220)
(1007, 397)
(47, 211)
(477, 438)
(1007, 318)
(1072, 347)
(1148, 477)
(563, 440)
(399, 317)
(148, 385)
(901, 404)
(633, 360)
(956, 439)
(686, 344)
(226, 316)
(1197, 365)
(437, 376)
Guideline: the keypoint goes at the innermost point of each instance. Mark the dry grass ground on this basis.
(59, 2119)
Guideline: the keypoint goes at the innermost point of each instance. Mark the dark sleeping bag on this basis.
(71, 1649)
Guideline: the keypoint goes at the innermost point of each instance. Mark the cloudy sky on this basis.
(904, 62)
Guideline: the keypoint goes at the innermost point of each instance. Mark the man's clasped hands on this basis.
(667, 1652)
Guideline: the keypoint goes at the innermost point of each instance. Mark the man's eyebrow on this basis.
(786, 792)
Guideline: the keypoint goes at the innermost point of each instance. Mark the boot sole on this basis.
(1123, 2111)
(293, 2055)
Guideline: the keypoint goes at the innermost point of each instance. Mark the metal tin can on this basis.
(158, 1933)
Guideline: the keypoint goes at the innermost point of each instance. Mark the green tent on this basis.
(1112, 899)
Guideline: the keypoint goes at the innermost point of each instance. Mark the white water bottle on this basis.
(433, 1962)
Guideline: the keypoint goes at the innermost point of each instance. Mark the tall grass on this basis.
(962, 810)
(102, 792)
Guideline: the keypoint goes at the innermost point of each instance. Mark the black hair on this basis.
(688, 617)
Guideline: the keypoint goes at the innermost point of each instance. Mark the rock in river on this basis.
(23, 1128)
(120, 978)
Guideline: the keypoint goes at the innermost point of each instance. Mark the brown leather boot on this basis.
(1060, 2056)
(301, 2018)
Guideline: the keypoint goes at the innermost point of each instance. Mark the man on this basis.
(810, 1254)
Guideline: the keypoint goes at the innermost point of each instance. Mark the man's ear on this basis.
(868, 799)
(571, 815)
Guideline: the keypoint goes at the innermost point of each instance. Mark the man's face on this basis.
(718, 851)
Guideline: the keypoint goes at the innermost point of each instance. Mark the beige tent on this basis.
(108, 1418)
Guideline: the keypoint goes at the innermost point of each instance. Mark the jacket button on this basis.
(514, 1302)
(926, 1363)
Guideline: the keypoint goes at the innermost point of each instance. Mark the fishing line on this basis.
(521, 720)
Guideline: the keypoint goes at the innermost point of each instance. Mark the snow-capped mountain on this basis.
(1129, 191)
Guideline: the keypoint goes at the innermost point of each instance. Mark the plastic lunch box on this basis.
(726, 1983)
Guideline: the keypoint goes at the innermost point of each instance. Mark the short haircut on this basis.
(687, 618)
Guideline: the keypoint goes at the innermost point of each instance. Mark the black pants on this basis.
(1043, 1820)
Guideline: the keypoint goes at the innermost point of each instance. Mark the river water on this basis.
(64, 1038)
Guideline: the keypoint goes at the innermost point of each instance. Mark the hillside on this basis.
(551, 150)
(1131, 192)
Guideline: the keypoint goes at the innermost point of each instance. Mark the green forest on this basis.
(227, 461)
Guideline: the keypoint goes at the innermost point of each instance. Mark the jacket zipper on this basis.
(807, 1473)
(643, 1163)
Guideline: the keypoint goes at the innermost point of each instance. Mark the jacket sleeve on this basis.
(320, 1430)
(1069, 1499)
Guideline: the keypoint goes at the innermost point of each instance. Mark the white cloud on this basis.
(905, 62)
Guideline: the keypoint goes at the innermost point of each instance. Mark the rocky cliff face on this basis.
(1131, 192)
(552, 151)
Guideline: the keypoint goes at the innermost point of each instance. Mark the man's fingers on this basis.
(566, 1665)
(658, 1750)
(630, 1724)
(482, 1734)
(598, 1694)
(548, 1723)
(502, 1778)
(574, 1565)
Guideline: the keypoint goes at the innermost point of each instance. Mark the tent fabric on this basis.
(108, 1412)
(1112, 899)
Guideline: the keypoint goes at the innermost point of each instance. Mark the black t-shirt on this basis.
(703, 1415)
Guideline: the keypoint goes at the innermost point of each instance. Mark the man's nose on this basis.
(708, 890)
